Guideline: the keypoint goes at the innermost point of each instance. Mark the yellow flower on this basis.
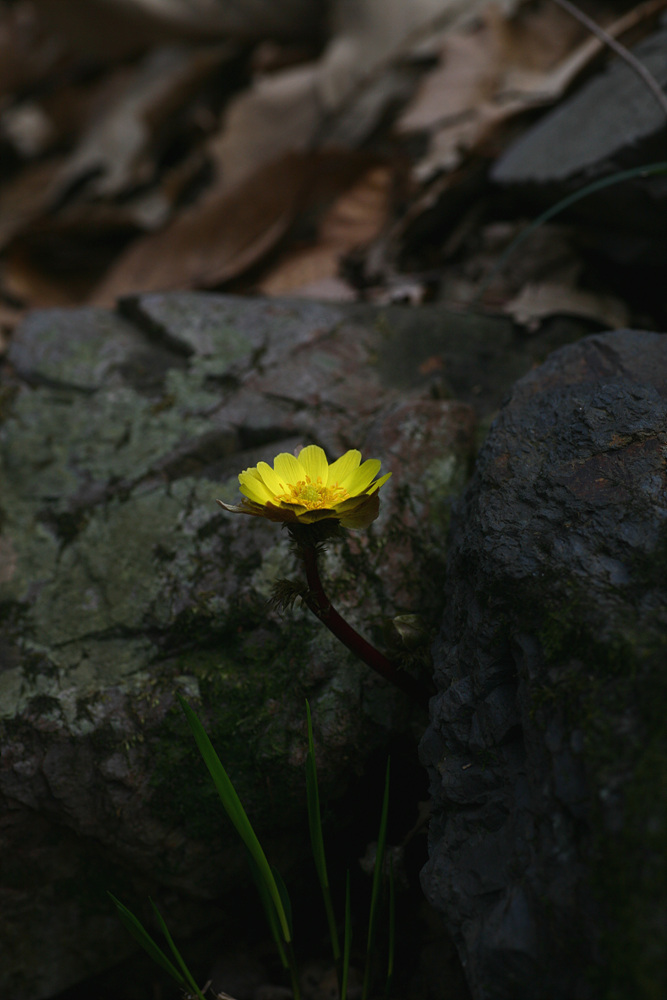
(307, 489)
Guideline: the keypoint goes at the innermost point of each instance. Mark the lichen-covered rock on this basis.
(122, 582)
(548, 746)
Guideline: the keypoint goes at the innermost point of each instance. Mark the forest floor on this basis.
(379, 160)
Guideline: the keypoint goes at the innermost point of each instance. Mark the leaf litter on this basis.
(192, 155)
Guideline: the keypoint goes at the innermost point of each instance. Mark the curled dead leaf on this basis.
(215, 240)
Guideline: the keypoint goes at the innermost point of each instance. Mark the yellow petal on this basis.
(360, 479)
(270, 479)
(379, 482)
(311, 516)
(289, 468)
(343, 467)
(253, 487)
(315, 463)
(296, 508)
(363, 513)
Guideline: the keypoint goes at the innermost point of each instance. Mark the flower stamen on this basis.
(313, 496)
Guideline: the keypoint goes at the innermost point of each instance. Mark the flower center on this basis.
(314, 496)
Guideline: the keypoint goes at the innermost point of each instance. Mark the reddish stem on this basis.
(320, 605)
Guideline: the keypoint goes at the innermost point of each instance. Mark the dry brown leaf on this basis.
(466, 94)
(360, 213)
(536, 302)
(278, 114)
(466, 76)
(63, 111)
(286, 110)
(496, 69)
(311, 272)
(117, 152)
(25, 197)
(112, 29)
(547, 87)
(370, 34)
(27, 52)
(215, 240)
(24, 280)
(55, 118)
(355, 218)
(296, 109)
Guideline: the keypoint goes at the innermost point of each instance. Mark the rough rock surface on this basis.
(548, 747)
(612, 123)
(121, 581)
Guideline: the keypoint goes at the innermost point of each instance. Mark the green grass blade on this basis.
(284, 896)
(377, 885)
(647, 170)
(347, 940)
(317, 838)
(236, 812)
(293, 971)
(269, 908)
(137, 930)
(177, 955)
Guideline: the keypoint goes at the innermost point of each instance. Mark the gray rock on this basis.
(547, 748)
(121, 582)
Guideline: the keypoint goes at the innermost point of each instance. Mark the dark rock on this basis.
(121, 582)
(611, 124)
(548, 746)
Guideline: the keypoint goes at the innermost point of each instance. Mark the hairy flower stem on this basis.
(320, 605)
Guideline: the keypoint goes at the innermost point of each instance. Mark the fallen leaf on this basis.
(216, 239)
(355, 218)
(359, 213)
(24, 281)
(59, 258)
(369, 35)
(547, 85)
(337, 100)
(301, 270)
(117, 152)
(27, 52)
(466, 94)
(497, 68)
(278, 114)
(102, 30)
(25, 197)
(536, 302)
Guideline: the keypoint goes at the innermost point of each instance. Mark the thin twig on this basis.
(642, 72)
